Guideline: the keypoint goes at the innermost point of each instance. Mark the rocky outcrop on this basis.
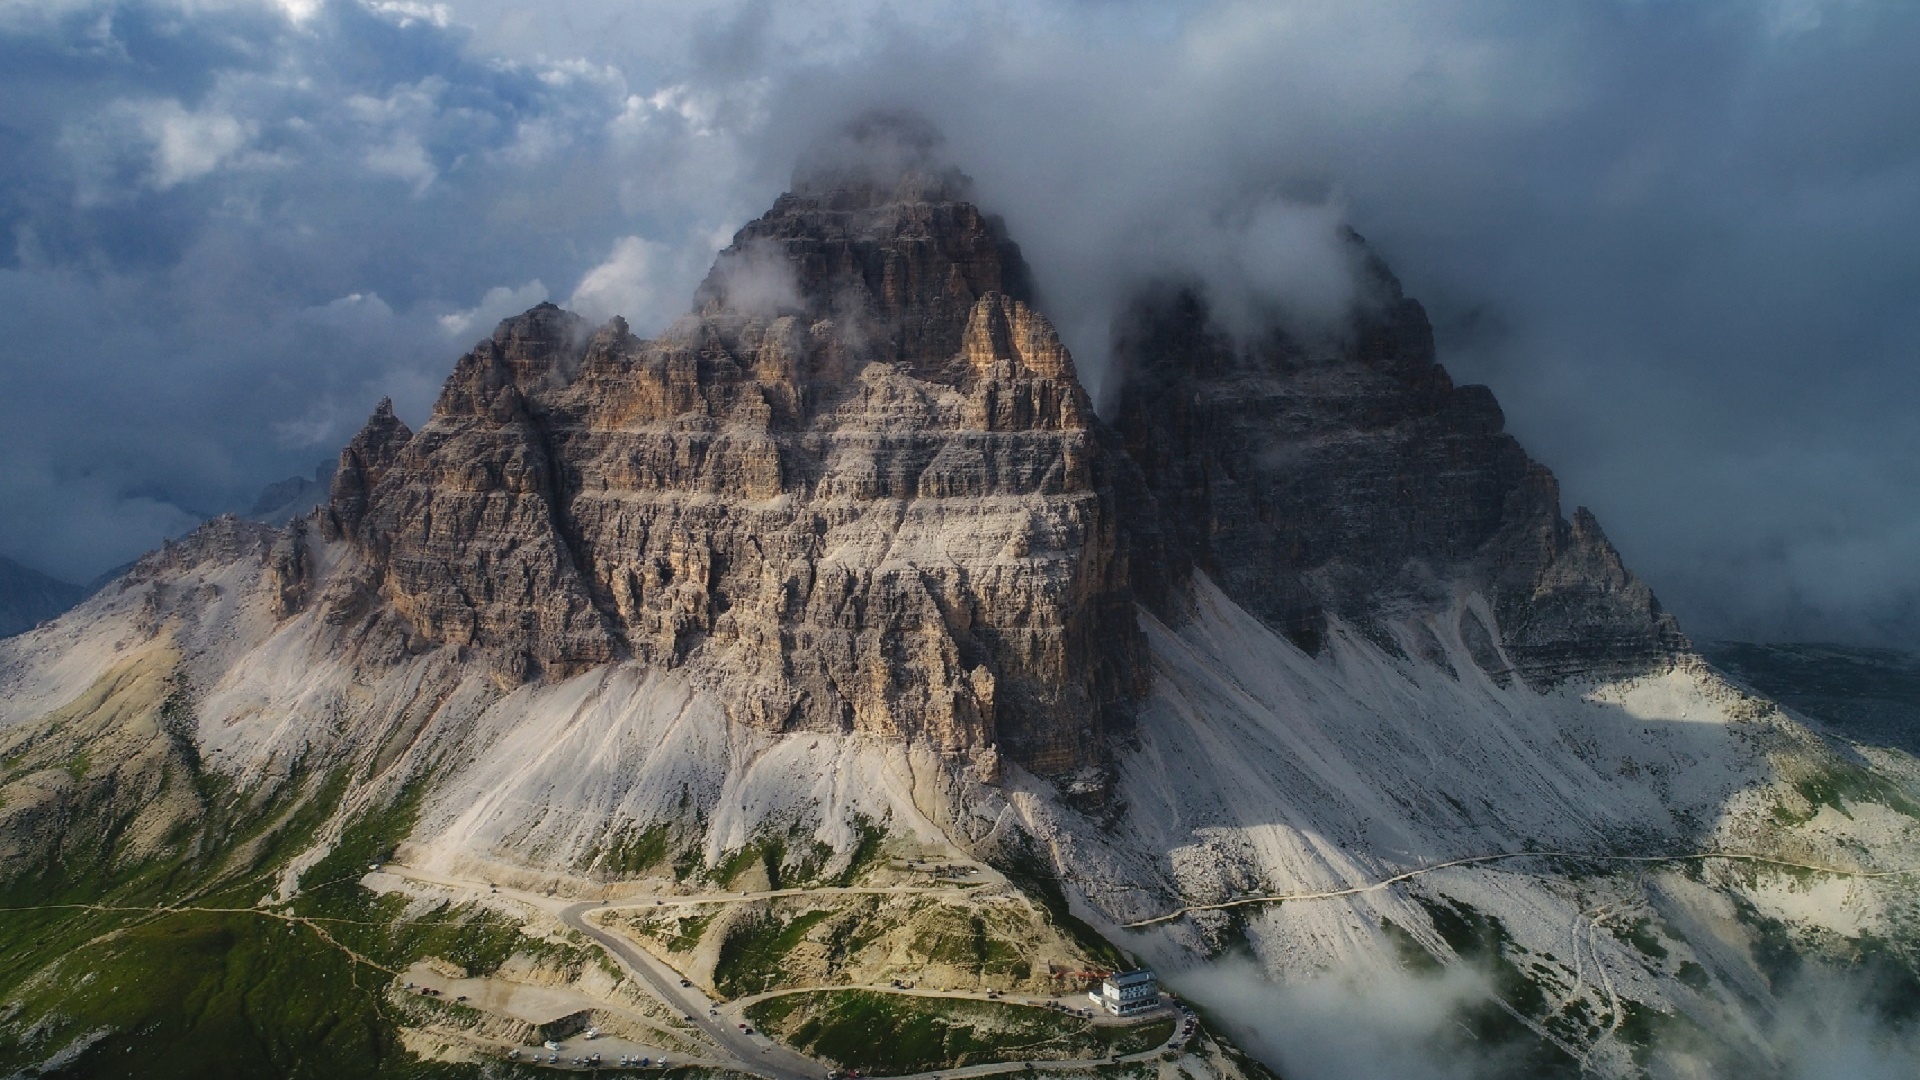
(363, 462)
(1575, 609)
(1345, 474)
(221, 541)
(861, 489)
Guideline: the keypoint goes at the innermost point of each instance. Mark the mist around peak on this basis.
(884, 155)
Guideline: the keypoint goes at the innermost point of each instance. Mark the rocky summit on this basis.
(1345, 474)
(861, 489)
(826, 668)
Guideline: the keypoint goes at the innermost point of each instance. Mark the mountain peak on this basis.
(882, 156)
(812, 589)
(859, 489)
(877, 236)
(862, 489)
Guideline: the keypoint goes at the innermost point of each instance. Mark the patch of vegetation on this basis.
(766, 853)
(751, 956)
(866, 850)
(370, 838)
(1641, 935)
(200, 994)
(688, 930)
(1786, 816)
(1031, 875)
(693, 1072)
(964, 940)
(794, 861)
(1574, 1022)
(789, 862)
(857, 929)
(191, 978)
(892, 1034)
(1693, 976)
(1841, 785)
(1647, 1029)
(687, 863)
(1887, 977)
(631, 851)
(1482, 941)
(1413, 955)
(219, 987)
(1772, 946)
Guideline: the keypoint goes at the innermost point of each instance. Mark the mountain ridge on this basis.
(29, 597)
(863, 350)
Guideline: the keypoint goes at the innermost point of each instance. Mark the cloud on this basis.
(186, 145)
(629, 284)
(404, 158)
(499, 303)
(231, 228)
(405, 13)
(1837, 1029)
(1688, 225)
(1389, 1024)
(1380, 1025)
(757, 280)
(1680, 241)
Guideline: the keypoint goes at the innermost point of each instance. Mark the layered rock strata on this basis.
(861, 489)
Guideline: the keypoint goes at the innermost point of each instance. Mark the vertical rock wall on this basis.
(859, 489)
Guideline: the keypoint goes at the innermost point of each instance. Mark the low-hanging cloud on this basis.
(756, 279)
(1392, 1024)
(1387, 1025)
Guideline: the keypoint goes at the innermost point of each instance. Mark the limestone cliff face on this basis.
(860, 489)
(1348, 475)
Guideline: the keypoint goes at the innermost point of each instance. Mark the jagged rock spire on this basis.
(363, 462)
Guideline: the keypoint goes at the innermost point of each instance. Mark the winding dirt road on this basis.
(756, 1053)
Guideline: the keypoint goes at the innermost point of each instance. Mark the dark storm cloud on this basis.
(1677, 239)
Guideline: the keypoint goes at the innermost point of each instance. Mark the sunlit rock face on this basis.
(859, 489)
(1342, 473)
